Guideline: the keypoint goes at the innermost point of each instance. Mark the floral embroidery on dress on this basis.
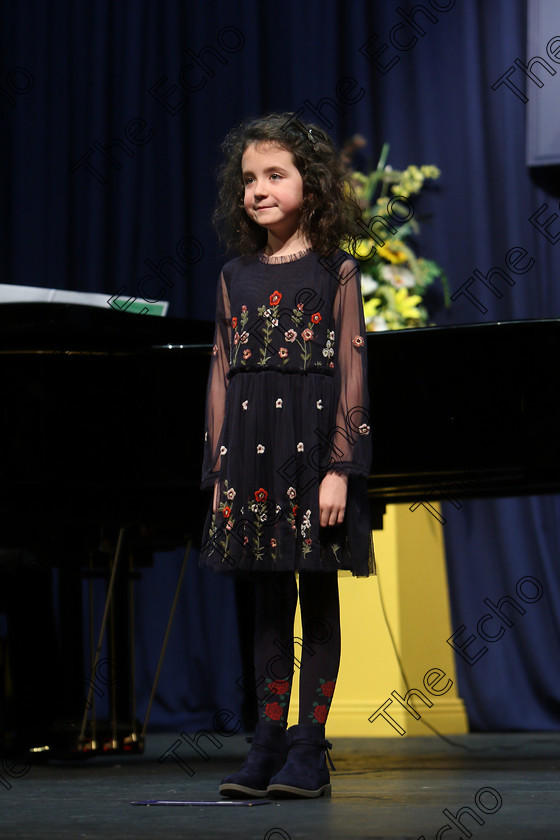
(299, 334)
(260, 510)
(239, 338)
(358, 341)
(260, 449)
(231, 529)
(364, 429)
(305, 528)
(291, 516)
(271, 322)
(328, 350)
(215, 531)
(279, 403)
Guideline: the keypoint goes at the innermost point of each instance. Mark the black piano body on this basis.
(101, 408)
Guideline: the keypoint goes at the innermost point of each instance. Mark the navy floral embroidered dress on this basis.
(287, 402)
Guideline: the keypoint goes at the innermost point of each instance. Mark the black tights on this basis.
(277, 653)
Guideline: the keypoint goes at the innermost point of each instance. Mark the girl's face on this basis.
(273, 188)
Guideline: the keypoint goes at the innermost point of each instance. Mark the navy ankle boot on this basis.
(305, 774)
(269, 747)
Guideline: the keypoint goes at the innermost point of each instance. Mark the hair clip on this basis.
(310, 136)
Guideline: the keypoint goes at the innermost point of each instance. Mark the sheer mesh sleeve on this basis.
(217, 386)
(352, 438)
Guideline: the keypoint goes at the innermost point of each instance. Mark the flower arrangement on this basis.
(394, 279)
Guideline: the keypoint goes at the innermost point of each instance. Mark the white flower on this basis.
(330, 335)
(260, 449)
(267, 313)
(278, 508)
(397, 276)
(253, 508)
(291, 335)
(300, 447)
(244, 337)
(290, 492)
(320, 405)
(231, 494)
(244, 404)
(363, 429)
(223, 450)
(379, 324)
(369, 285)
(263, 517)
(279, 403)
(274, 322)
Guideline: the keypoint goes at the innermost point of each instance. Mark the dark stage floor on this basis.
(383, 788)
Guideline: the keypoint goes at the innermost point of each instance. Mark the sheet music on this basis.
(36, 294)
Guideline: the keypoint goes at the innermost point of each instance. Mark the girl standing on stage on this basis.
(287, 443)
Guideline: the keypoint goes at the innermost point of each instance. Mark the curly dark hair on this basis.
(329, 208)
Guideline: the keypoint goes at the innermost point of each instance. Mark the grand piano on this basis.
(101, 422)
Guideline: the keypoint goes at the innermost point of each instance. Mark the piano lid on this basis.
(64, 327)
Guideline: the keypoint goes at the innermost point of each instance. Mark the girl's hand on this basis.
(332, 499)
(216, 496)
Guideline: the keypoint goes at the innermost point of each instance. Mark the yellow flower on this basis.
(370, 308)
(430, 171)
(364, 249)
(394, 251)
(406, 304)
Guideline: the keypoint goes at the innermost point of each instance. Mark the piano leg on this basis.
(31, 665)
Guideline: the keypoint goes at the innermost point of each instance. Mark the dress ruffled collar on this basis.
(287, 258)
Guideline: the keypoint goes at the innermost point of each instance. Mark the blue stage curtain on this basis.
(108, 181)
